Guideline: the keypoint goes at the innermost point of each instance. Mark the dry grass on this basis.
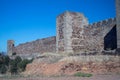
(59, 57)
(48, 58)
(47, 54)
(95, 58)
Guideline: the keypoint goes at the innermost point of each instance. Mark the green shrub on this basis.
(79, 74)
(13, 66)
(18, 59)
(13, 70)
(6, 60)
(4, 63)
(3, 69)
(22, 64)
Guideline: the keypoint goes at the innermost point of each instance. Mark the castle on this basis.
(75, 35)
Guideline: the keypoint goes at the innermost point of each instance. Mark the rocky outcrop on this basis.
(71, 67)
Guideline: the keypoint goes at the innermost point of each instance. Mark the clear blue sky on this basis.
(27, 20)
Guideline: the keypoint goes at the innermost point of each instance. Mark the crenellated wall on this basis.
(74, 35)
(95, 34)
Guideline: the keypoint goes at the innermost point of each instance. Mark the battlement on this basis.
(102, 23)
(74, 35)
(39, 40)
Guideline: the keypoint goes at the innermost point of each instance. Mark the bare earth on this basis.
(95, 77)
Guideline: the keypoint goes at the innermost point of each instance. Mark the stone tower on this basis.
(67, 23)
(10, 47)
(118, 22)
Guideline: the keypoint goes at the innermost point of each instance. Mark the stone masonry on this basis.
(68, 25)
(97, 34)
(33, 48)
(10, 47)
(118, 22)
(75, 35)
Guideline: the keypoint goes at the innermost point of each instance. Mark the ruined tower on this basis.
(10, 47)
(118, 22)
(68, 24)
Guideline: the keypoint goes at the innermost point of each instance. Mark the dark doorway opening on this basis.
(110, 40)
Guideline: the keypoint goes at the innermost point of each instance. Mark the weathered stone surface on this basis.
(75, 35)
(69, 28)
(118, 22)
(95, 34)
(10, 47)
(35, 47)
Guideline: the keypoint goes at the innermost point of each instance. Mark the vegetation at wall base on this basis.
(13, 66)
(3, 69)
(22, 65)
(80, 74)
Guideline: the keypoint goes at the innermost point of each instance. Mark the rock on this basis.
(64, 68)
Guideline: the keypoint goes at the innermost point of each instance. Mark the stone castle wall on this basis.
(95, 34)
(69, 28)
(10, 47)
(75, 35)
(35, 47)
(118, 22)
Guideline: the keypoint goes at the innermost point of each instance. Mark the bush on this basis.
(18, 59)
(13, 66)
(6, 60)
(3, 69)
(13, 70)
(79, 74)
(22, 64)
(1, 60)
(4, 63)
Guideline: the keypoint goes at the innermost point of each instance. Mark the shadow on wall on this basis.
(110, 40)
